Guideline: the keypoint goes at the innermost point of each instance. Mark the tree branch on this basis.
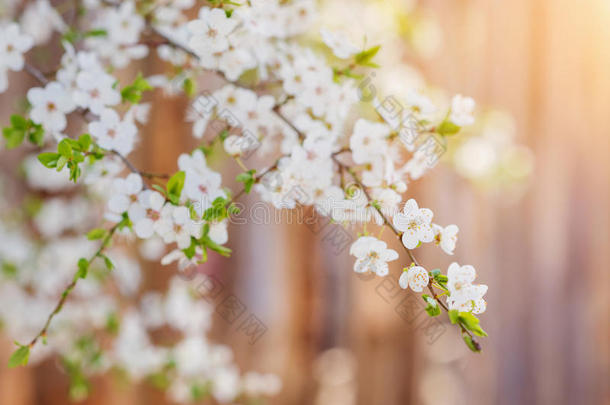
(398, 234)
(88, 116)
(70, 287)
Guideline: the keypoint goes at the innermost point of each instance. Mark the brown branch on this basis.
(35, 73)
(398, 234)
(89, 116)
(70, 287)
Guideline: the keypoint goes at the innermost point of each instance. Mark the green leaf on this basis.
(107, 262)
(222, 250)
(174, 187)
(189, 252)
(19, 122)
(189, 87)
(74, 170)
(64, 148)
(247, 178)
(365, 57)
(432, 308)
(14, 137)
(233, 209)
(133, 92)
(83, 266)
(200, 391)
(96, 33)
(61, 162)
(97, 233)
(472, 345)
(447, 128)
(19, 357)
(454, 315)
(84, 142)
(159, 189)
(217, 212)
(471, 322)
(125, 222)
(112, 324)
(9, 269)
(36, 134)
(70, 35)
(48, 159)
(223, 134)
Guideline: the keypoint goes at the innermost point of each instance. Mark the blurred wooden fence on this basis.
(544, 257)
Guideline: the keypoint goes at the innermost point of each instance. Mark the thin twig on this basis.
(89, 116)
(399, 235)
(70, 287)
(37, 74)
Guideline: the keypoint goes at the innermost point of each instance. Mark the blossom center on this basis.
(152, 214)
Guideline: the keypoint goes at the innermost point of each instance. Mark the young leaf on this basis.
(432, 308)
(189, 87)
(113, 324)
(472, 345)
(84, 141)
(174, 187)
(189, 252)
(222, 250)
(447, 128)
(160, 189)
(18, 122)
(454, 315)
(14, 136)
(19, 357)
(247, 178)
(133, 92)
(365, 57)
(435, 272)
(64, 148)
(96, 33)
(471, 323)
(48, 159)
(83, 266)
(107, 262)
(97, 233)
(36, 134)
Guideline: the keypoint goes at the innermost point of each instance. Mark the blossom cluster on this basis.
(279, 98)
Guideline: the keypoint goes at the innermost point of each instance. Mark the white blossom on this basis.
(462, 109)
(13, 44)
(415, 223)
(50, 106)
(372, 255)
(340, 45)
(201, 184)
(113, 133)
(368, 140)
(210, 31)
(145, 212)
(176, 225)
(446, 237)
(95, 91)
(40, 19)
(465, 296)
(125, 194)
(416, 278)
